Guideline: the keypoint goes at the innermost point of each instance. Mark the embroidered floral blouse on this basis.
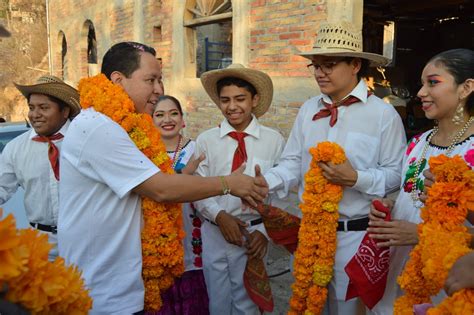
(405, 208)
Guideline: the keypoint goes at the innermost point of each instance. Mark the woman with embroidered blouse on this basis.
(188, 295)
(447, 96)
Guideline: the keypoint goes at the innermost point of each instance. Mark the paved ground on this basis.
(278, 262)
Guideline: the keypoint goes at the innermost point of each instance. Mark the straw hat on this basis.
(261, 81)
(54, 86)
(4, 32)
(342, 39)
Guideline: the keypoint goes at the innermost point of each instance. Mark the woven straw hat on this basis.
(54, 86)
(342, 39)
(260, 80)
(4, 32)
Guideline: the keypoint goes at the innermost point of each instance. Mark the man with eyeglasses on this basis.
(370, 132)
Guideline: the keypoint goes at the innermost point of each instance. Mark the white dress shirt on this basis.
(264, 146)
(25, 163)
(372, 136)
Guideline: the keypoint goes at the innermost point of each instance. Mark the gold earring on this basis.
(458, 117)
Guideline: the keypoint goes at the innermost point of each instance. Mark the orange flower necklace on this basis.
(314, 257)
(162, 249)
(443, 238)
(40, 286)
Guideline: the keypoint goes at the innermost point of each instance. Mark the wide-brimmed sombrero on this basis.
(342, 39)
(54, 86)
(260, 80)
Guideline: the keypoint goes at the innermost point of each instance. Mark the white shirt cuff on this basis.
(364, 181)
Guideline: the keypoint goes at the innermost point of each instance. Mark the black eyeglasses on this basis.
(325, 67)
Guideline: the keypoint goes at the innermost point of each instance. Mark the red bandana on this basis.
(53, 152)
(240, 154)
(331, 109)
(368, 269)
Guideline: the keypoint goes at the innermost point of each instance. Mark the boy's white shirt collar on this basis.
(253, 129)
(360, 91)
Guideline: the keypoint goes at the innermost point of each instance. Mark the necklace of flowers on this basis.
(162, 233)
(40, 286)
(456, 139)
(443, 238)
(314, 256)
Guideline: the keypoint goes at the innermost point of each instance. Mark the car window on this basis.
(6, 137)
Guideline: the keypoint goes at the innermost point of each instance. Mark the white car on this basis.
(8, 131)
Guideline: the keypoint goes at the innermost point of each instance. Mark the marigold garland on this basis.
(30, 280)
(443, 238)
(162, 249)
(314, 256)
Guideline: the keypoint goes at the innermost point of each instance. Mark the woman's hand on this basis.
(376, 215)
(393, 233)
(461, 275)
(192, 165)
(428, 182)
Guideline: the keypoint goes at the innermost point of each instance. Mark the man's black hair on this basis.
(124, 57)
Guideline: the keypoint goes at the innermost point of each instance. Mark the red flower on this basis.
(197, 250)
(408, 187)
(198, 262)
(196, 222)
(469, 157)
(197, 233)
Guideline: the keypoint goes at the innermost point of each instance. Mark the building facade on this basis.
(192, 36)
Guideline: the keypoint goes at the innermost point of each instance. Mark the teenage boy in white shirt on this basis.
(369, 130)
(242, 95)
(104, 177)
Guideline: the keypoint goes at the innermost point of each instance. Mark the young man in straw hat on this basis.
(106, 174)
(32, 159)
(234, 238)
(369, 130)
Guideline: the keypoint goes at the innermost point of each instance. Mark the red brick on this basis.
(290, 35)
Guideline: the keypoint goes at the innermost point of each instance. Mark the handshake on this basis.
(252, 190)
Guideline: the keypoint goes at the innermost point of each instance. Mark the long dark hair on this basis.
(460, 64)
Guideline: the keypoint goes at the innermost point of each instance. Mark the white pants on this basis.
(223, 266)
(53, 240)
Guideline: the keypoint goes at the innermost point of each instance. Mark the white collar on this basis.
(253, 129)
(360, 91)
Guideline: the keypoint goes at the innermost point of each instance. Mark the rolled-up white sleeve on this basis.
(287, 173)
(385, 177)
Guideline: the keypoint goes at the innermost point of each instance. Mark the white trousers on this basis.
(223, 266)
(53, 240)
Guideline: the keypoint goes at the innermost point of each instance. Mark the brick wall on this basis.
(278, 29)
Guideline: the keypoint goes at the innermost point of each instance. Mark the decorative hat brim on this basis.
(261, 81)
(375, 59)
(62, 91)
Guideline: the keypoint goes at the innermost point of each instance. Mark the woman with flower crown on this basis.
(188, 295)
(447, 96)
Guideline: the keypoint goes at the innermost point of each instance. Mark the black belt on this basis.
(353, 225)
(45, 228)
(251, 223)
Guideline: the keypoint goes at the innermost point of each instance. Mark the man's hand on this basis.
(257, 245)
(251, 189)
(429, 181)
(193, 164)
(393, 233)
(230, 228)
(341, 174)
(461, 275)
